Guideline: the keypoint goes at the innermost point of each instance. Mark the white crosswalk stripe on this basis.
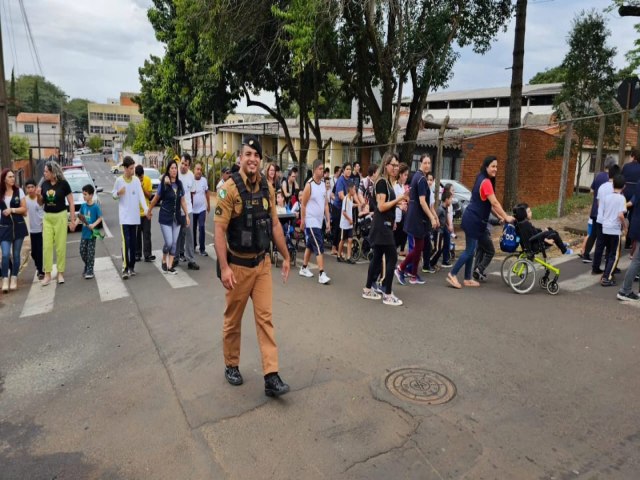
(40, 299)
(181, 280)
(110, 285)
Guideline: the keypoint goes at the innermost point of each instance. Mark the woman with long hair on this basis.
(271, 172)
(53, 193)
(382, 231)
(475, 219)
(13, 228)
(171, 193)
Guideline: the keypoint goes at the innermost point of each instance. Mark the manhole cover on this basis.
(420, 385)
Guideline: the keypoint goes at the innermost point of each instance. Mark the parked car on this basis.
(117, 168)
(77, 179)
(461, 196)
(154, 175)
(77, 162)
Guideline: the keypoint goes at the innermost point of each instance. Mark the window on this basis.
(437, 105)
(592, 163)
(110, 130)
(123, 118)
(539, 100)
(96, 116)
(484, 103)
(95, 129)
(110, 117)
(28, 128)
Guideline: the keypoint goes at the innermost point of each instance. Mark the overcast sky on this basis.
(93, 48)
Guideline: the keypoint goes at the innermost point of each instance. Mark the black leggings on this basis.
(375, 266)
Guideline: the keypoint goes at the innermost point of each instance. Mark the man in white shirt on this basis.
(226, 173)
(185, 240)
(201, 207)
(128, 191)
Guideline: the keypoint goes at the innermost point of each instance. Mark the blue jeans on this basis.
(466, 259)
(8, 259)
(198, 223)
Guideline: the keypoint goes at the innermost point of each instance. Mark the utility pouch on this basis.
(263, 232)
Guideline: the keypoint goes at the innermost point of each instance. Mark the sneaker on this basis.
(400, 276)
(376, 287)
(193, 266)
(164, 267)
(417, 280)
(274, 386)
(350, 261)
(183, 259)
(125, 274)
(447, 265)
(371, 294)
(428, 269)
(305, 272)
(607, 283)
(204, 254)
(627, 296)
(586, 258)
(597, 271)
(150, 258)
(392, 300)
(233, 375)
(132, 272)
(172, 271)
(635, 279)
(340, 259)
(89, 275)
(479, 276)
(568, 251)
(323, 278)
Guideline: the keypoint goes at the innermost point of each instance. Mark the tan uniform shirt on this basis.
(230, 204)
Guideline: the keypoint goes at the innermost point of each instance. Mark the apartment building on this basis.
(110, 120)
(42, 130)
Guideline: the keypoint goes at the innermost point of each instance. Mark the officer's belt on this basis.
(246, 262)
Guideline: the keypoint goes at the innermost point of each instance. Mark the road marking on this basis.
(40, 299)
(181, 280)
(110, 285)
(106, 229)
(586, 280)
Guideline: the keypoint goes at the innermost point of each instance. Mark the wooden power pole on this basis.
(5, 148)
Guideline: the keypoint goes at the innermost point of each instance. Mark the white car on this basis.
(154, 175)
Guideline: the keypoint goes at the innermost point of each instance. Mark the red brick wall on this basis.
(538, 176)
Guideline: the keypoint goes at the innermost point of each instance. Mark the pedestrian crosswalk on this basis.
(40, 299)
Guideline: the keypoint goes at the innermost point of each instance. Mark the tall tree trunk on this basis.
(515, 109)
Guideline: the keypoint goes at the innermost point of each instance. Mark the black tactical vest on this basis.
(251, 231)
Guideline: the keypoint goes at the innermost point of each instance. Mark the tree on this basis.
(50, 96)
(78, 111)
(19, 147)
(515, 108)
(388, 43)
(144, 138)
(35, 100)
(590, 76)
(550, 75)
(95, 143)
(130, 135)
(11, 99)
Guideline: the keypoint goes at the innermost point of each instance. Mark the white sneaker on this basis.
(391, 299)
(305, 272)
(323, 278)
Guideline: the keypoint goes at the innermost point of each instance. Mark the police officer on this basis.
(246, 221)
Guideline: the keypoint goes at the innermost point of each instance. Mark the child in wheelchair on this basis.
(535, 240)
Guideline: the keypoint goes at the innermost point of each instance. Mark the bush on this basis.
(573, 204)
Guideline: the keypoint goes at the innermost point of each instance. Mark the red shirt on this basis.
(486, 189)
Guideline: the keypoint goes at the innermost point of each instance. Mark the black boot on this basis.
(233, 375)
(274, 386)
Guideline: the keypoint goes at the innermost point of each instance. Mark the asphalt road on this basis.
(121, 379)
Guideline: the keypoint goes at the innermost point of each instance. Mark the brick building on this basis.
(538, 176)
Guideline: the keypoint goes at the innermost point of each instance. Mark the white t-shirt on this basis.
(399, 190)
(347, 206)
(612, 205)
(35, 211)
(604, 191)
(314, 211)
(200, 195)
(131, 202)
(7, 198)
(189, 185)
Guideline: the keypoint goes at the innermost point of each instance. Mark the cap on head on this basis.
(253, 142)
(226, 170)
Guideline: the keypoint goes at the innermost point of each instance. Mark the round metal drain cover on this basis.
(420, 385)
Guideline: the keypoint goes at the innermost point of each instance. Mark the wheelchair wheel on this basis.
(553, 288)
(522, 276)
(507, 263)
(370, 255)
(356, 249)
(544, 282)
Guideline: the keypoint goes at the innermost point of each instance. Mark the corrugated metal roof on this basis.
(496, 92)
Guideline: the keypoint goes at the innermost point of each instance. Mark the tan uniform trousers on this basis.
(255, 283)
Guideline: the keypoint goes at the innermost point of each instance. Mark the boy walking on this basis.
(440, 233)
(614, 206)
(201, 207)
(36, 213)
(346, 224)
(91, 216)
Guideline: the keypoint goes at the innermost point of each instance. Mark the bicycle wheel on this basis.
(522, 276)
(507, 263)
(356, 249)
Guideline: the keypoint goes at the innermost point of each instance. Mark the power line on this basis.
(34, 50)
(10, 33)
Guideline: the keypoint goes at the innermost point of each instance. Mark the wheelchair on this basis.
(361, 247)
(287, 221)
(519, 270)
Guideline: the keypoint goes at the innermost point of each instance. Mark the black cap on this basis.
(253, 142)
(226, 170)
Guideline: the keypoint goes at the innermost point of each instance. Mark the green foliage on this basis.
(11, 99)
(19, 147)
(95, 143)
(144, 139)
(78, 112)
(573, 204)
(550, 75)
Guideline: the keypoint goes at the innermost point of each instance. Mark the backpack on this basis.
(509, 240)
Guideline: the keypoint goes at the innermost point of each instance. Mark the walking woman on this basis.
(475, 218)
(171, 193)
(53, 193)
(382, 231)
(13, 228)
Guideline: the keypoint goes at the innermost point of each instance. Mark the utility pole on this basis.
(566, 157)
(5, 149)
(39, 151)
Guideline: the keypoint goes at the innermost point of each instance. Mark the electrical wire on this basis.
(8, 28)
(34, 50)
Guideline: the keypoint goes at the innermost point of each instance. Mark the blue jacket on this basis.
(12, 227)
(476, 215)
(171, 203)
